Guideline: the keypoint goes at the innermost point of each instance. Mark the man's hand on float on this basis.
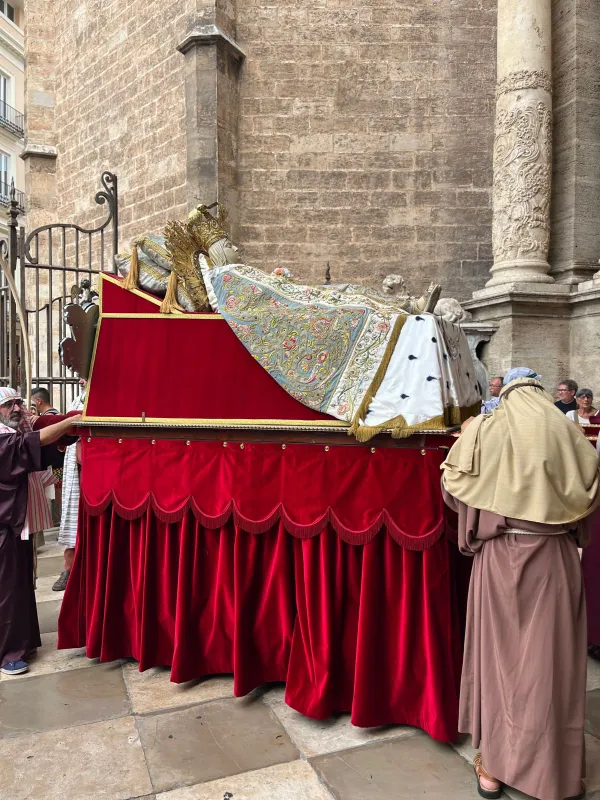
(54, 432)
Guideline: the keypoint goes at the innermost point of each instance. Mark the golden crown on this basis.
(207, 228)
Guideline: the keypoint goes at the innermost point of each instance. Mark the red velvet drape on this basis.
(370, 629)
(325, 569)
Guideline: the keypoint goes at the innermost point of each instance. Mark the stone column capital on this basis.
(205, 35)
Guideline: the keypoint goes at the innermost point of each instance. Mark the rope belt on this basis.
(535, 533)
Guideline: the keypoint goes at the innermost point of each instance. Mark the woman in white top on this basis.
(585, 407)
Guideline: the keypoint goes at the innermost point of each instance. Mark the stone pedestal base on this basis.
(532, 328)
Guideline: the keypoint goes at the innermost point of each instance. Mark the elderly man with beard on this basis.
(20, 454)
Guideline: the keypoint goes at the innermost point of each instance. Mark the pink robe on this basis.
(523, 683)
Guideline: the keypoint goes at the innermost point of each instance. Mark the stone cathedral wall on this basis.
(366, 138)
(365, 129)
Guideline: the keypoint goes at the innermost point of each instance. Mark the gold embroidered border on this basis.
(379, 376)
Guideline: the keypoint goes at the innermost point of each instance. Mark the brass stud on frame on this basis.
(153, 441)
(90, 439)
(326, 448)
(120, 441)
(283, 446)
(423, 452)
(224, 444)
(188, 443)
(372, 449)
(242, 446)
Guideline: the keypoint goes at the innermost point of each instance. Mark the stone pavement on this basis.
(74, 729)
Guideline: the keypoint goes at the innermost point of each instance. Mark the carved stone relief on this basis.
(524, 79)
(522, 182)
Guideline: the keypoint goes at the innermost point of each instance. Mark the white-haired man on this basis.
(20, 454)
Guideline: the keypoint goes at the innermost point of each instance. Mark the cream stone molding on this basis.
(12, 45)
(524, 79)
(210, 34)
(33, 150)
(522, 183)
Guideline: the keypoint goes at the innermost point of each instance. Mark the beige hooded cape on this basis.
(525, 460)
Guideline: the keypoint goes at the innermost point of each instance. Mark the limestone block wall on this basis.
(366, 138)
(119, 105)
(364, 129)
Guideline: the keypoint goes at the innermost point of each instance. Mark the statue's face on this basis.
(230, 251)
(223, 252)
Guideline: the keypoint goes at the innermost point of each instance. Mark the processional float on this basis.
(260, 481)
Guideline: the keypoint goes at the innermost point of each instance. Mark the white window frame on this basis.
(4, 11)
(6, 177)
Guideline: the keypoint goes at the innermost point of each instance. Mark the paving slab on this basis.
(48, 614)
(62, 700)
(397, 770)
(592, 712)
(153, 690)
(48, 659)
(50, 560)
(593, 674)
(317, 737)
(103, 761)
(464, 747)
(293, 781)
(210, 741)
(43, 589)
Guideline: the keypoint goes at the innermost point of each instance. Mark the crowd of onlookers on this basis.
(576, 403)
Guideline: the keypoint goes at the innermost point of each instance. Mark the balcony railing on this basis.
(5, 193)
(11, 119)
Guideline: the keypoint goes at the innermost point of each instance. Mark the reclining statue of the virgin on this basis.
(379, 361)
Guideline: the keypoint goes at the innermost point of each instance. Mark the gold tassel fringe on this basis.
(133, 276)
(398, 428)
(170, 304)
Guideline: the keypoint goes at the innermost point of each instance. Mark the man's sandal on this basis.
(489, 794)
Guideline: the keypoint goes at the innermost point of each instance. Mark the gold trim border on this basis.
(112, 279)
(200, 422)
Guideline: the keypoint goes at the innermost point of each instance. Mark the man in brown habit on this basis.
(20, 454)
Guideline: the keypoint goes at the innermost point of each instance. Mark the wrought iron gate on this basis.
(48, 265)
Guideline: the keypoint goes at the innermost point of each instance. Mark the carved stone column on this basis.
(523, 144)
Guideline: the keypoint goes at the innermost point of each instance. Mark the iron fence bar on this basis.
(13, 359)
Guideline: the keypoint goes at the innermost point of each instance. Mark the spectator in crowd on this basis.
(566, 396)
(70, 501)
(40, 397)
(495, 386)
(585, 407)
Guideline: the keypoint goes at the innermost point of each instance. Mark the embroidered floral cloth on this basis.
(320, 345)
(331, 349)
